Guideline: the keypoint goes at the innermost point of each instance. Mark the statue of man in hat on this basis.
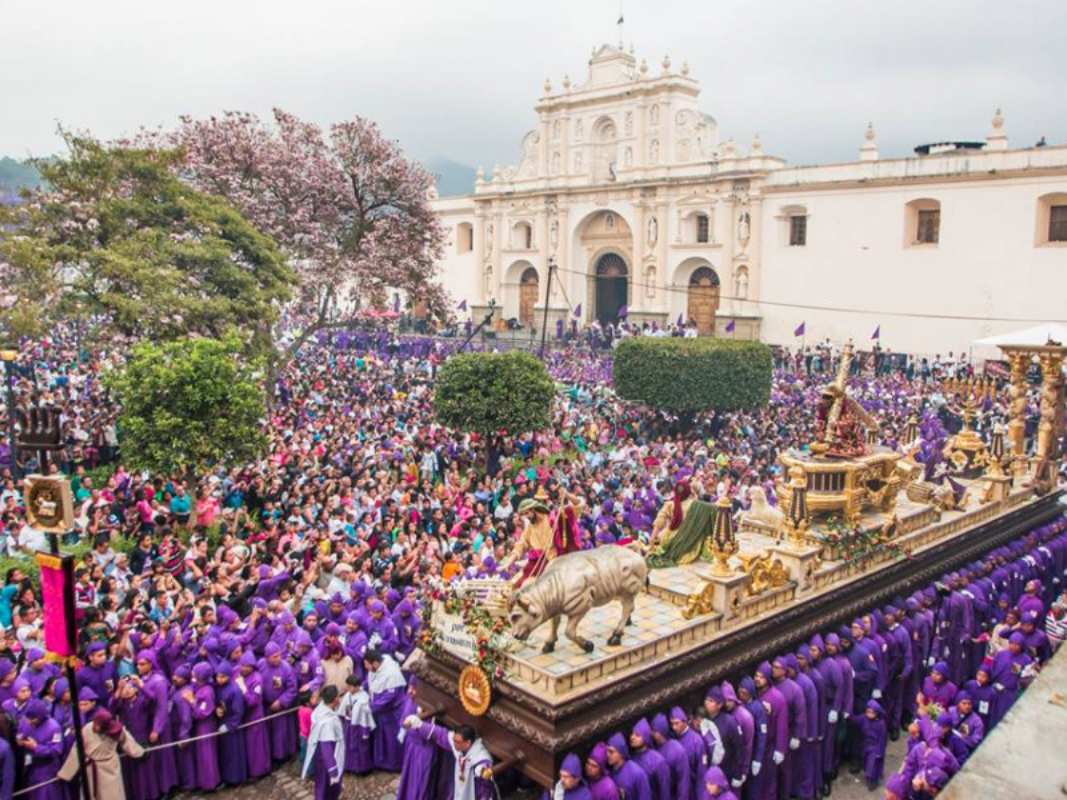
(541, 541)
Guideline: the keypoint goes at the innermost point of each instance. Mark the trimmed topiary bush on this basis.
(689, 375)
(493, 394)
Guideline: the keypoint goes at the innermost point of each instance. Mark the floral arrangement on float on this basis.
(490, 631)
(854, 544)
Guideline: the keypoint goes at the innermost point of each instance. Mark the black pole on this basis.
(482, 324)
(548, 292)
(72, 680)
(79, 741)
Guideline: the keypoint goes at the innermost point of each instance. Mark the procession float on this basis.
(857, 524)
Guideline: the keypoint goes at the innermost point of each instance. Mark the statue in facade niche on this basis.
(553, 234)
(742, 284)
(489, 240)
(743, 227)
(653, 232)
(489, 281)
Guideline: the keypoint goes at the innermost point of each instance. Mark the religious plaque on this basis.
(474, 690)
(49, 506)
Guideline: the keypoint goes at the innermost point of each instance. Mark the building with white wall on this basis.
(627, 190)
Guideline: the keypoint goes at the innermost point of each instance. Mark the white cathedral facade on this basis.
(629, 194)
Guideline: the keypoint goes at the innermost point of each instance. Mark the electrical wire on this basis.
(834, 309)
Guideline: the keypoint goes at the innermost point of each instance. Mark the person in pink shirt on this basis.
(207, 507)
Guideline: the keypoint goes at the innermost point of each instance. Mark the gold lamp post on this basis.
(723, 541)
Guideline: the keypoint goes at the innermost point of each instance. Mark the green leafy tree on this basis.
(494, 394)
(188, 405)
(116, 235)
(685, 376)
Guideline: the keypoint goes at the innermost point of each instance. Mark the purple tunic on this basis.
(387, 707)
(777, 708)
(233, 760)
(416, 769)
(45, 761)
(185, 754)
(142, 780)
(257, 738)
(279, 686)
(327, 771)
(659, 773)
(204, 722)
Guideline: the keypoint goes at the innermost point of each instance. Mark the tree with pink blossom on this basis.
(349, 210)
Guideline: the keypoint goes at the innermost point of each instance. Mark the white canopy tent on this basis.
(1038, 335)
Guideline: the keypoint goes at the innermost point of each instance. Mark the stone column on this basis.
(1017, 412)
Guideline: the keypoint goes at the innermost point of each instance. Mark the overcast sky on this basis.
(458, 78)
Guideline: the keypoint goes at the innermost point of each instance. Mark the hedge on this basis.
(687, 375)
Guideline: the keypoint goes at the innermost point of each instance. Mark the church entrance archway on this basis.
(703, 300)
(528, 293)
(611, 287)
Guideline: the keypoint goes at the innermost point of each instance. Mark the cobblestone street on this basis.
(285, 784)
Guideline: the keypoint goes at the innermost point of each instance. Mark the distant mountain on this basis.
(15, 175)
(453, 178)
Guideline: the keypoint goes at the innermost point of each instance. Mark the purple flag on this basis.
(623, 311)
(462, 305)
(559, 328)
(578, 311)
(730, 326)
(396, 303)
(877, 333)
(799, 330)
(681, 321)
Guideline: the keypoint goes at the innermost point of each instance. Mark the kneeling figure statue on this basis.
(571, 585)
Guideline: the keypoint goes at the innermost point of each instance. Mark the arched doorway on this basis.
(611, 288)
(703, 299)
(528, 292)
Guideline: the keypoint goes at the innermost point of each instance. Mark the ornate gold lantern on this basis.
(996, 452)
(797, 514)
(723, 541)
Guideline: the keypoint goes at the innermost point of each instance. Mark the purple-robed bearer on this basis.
(181, 700)
(774, 702)
(230, 701)
(326, 746)
(417, 764)
(386, 687)
(204, 724)
(649, 759)
(45, 757)
(693, 744)
(872, 729)
(358, 723)
(257, 739)
(632, 781)
(716, 785)
(279, 692)
(601, 785)
(570, 785)
(676, 757)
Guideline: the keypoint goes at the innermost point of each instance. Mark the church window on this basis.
(702, 228)
(798, 230)
(929, 226)
(1057, 224)
(464, 237)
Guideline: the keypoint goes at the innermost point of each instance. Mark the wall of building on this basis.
(986, 264)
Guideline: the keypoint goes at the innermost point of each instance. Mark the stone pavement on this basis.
(285, 784)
